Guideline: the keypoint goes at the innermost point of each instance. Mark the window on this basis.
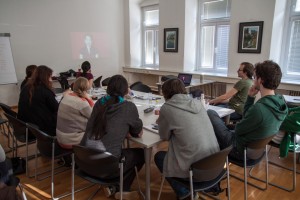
(291, 57)
(150, 36)
(213, 36)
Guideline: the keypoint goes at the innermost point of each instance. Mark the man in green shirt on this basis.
(236, 97)
(260, 120)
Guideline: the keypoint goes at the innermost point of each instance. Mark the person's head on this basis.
(268, 73)
(88, 41)
(117, 86)
(80, 86)
(85, 66)
(29, 70)
(172, 87)
(246, 69)
(42, 76)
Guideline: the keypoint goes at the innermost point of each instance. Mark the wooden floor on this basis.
(41, 189)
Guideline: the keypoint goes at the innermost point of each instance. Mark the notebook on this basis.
(186, 78)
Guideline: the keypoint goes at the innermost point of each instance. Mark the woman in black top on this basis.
(37, 103)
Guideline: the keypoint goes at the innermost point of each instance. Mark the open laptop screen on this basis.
(186, 78)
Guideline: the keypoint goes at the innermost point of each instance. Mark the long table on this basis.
(150, 139)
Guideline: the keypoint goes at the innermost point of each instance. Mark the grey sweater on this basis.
(185, 124)
(122, 118)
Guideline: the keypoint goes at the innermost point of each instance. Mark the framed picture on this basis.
(171, 40)
(250, 36)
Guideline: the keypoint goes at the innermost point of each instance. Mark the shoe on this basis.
(109, 191)
(188, 196)
(128, 195)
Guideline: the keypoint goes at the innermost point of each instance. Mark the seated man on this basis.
(260, 120)
(184, 123)
(236, 97)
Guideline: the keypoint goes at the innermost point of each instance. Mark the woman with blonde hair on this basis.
(73, 113)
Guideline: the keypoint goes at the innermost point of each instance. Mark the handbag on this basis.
(18, 165)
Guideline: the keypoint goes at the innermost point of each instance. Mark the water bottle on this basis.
(202, 100)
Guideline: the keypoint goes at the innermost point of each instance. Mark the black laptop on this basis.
(186, 78)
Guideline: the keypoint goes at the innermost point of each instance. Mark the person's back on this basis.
(37, 103)
(73, 113)
(184, 123)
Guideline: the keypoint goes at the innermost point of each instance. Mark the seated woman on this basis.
(236, 97)
(29, 71)
(73, 113)
(185, 124)
(86, 73)
(37, 103)
(112, 119)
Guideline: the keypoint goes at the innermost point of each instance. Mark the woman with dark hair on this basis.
(183, 122)
(86, 73)
(112, 119)
(37, 103)
(29, 71)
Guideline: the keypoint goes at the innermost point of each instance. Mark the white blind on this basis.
(222, 48)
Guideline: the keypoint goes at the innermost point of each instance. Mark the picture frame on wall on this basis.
(171, 40)
(250, 37)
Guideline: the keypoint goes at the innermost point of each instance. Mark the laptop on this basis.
(186, 78)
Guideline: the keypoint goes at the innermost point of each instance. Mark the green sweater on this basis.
(260, 120)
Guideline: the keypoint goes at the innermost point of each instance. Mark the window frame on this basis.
(155, 29)
(216, 22)
(289, 19)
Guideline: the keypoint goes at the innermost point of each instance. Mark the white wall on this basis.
(41, 34)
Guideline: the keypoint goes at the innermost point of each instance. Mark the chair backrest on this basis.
(64, 83)
(141, 88)
(105, 81)
(210, 167)
(96, 163)
(19, 127)
(97, 82)
(8, 110)
(134, 84)
(44, 141)
(167, 77)
(256, 148)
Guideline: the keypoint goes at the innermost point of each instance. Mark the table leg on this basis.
(148, 152)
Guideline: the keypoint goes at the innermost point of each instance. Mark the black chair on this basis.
(8, 110)
(64, 83)
(293, 169)
(254, 153)
(167, 77)
(48, 147)
(206, 173)
(97, 82)
(21, 134)
(141, 88)
(105, 81)
(134, 84)
(94, 165)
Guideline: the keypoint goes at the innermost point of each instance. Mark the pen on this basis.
(296, 99)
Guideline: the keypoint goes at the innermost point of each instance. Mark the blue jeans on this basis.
(224, 136)
(180, 189)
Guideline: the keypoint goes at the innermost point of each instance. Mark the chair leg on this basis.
(294, 171)
(121, 180)
(138, 181)
(161, 186)
(245, 175)
(228, 181)
(191, 185)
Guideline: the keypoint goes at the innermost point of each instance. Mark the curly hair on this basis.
(270, 74)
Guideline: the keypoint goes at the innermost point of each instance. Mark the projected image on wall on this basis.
(86, 46)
